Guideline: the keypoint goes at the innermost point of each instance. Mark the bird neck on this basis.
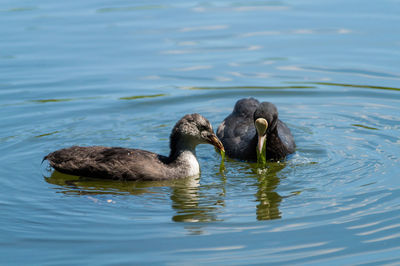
(187, 162)
(273, 133)
(179, 144)
(183, 156)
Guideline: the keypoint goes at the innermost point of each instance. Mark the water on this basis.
(122, 73)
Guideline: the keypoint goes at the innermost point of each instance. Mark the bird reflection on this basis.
(268, 199)
(187, 201)
(76, 185)
(191, 201)
(193, 205)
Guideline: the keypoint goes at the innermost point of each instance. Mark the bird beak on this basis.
(213, 140)
(260, 144)
(261, 126)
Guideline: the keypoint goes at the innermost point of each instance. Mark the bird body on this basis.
(135, 164)
(240, 138)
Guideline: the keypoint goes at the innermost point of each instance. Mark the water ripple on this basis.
(122, 74)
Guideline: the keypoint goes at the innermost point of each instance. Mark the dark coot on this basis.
(246, 128)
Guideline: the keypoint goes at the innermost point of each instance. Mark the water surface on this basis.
(122, 74)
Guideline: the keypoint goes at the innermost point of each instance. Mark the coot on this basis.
(249, 126)
(134, 164)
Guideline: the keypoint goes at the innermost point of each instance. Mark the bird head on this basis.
(194, 129)
(265, 121)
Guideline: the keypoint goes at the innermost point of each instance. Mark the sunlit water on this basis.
(122, 73)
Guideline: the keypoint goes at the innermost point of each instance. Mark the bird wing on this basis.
(103, 162)
(286, 137)
(236, 134)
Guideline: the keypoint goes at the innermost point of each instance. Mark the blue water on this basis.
(122, 73)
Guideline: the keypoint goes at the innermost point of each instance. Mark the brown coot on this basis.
(134, 164)
(249, 126)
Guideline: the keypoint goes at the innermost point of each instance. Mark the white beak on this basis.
(261, 126)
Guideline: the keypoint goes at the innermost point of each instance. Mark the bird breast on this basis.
(191, 163)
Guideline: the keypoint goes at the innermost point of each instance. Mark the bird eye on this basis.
(203, 128)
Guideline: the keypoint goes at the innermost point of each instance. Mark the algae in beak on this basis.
(222, 165)
(261, 152)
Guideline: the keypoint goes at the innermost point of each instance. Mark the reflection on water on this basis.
(189, 204)
(269, 200)
(191, 201)
(76, 185)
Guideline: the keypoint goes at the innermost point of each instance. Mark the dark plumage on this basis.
(133, 164)
(239, 136)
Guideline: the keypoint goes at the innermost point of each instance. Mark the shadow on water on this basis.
(191, 201)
